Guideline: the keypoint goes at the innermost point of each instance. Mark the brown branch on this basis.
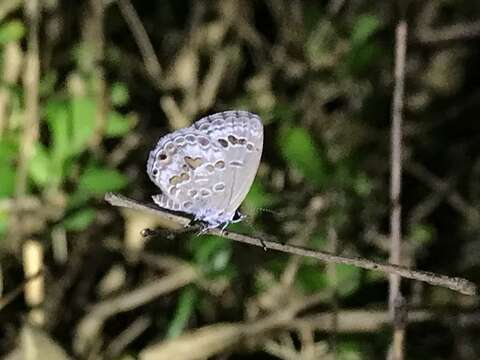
(94, 38)
(150, 60)
(181, 222)
(455, 200)
(117, 345)
(90, 325)
(396, 302)
(31, 79)
(12, 62)
(446, 34)
(9, 6)
(12, 295)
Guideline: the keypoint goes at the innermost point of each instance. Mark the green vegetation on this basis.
(112, 80)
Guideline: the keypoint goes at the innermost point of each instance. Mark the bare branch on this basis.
(451, 33)
(181, 222)
(31, 78)
(152, 65)
(396, 302)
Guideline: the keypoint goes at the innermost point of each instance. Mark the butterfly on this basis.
(207, 169)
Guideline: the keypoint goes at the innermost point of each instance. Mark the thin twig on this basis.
(12, 295)
(93, 321)
(152, 65)
(94, 36)
(441, 186)
(457, 284)
(127, 336)
(31, 79)
(395, 300)
(12, 62)
(8, 7)
(451, 33)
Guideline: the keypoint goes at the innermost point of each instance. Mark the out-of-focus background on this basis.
(88, 87)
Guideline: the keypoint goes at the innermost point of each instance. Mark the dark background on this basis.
(112, 79)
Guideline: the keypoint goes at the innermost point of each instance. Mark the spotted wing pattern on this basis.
(208, 168)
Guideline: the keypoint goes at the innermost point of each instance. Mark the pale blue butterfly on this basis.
(208, 168)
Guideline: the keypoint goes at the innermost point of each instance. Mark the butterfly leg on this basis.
(238, 217)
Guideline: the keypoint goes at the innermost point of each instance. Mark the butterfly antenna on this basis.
(268, 211)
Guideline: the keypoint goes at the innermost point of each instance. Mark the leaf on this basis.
(59, 126)
(350, 350)
(346, 279)
(318, 241)
(322, 42)
(47, 84)
(183, 312)
(118, 125)
(421, 235)
(82, 112)
(40, 167)
(98, 181)
(258, 198)
(364, 28)
(363, 50)
(119, 94)
(8, 152)
(8, 149)
(311, 278)
(300, 152)
(212, 252)
(7, 180)
(10, 31)
(363, 186)
(80, 220)
(3, 223)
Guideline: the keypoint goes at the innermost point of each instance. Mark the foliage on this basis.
(320, 75)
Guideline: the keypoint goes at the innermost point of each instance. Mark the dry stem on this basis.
(396, 302)
(173, 221)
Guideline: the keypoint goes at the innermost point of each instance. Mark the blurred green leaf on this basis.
(311, 278)
(349, 350)
(98, 181)
(363, 51)
(40, 166)
(421, 234)
(364, 28)
(362, 185)
(119, 94)
(321, 44)
(318, 241)
(79, 220)
(47, 84)
(11, 31)
(3, 222)
(58, 124)
(183, 311)
(361, 59)
(283, 112)
(213, 253)
(346, 279)
(82, 122)
(8, 152)
(300, 152)
(8, 149)
(118, 124)
(258, 198)
(7, 179)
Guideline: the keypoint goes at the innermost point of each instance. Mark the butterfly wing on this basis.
(239, 134)
(188, 168)
(207, 169)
